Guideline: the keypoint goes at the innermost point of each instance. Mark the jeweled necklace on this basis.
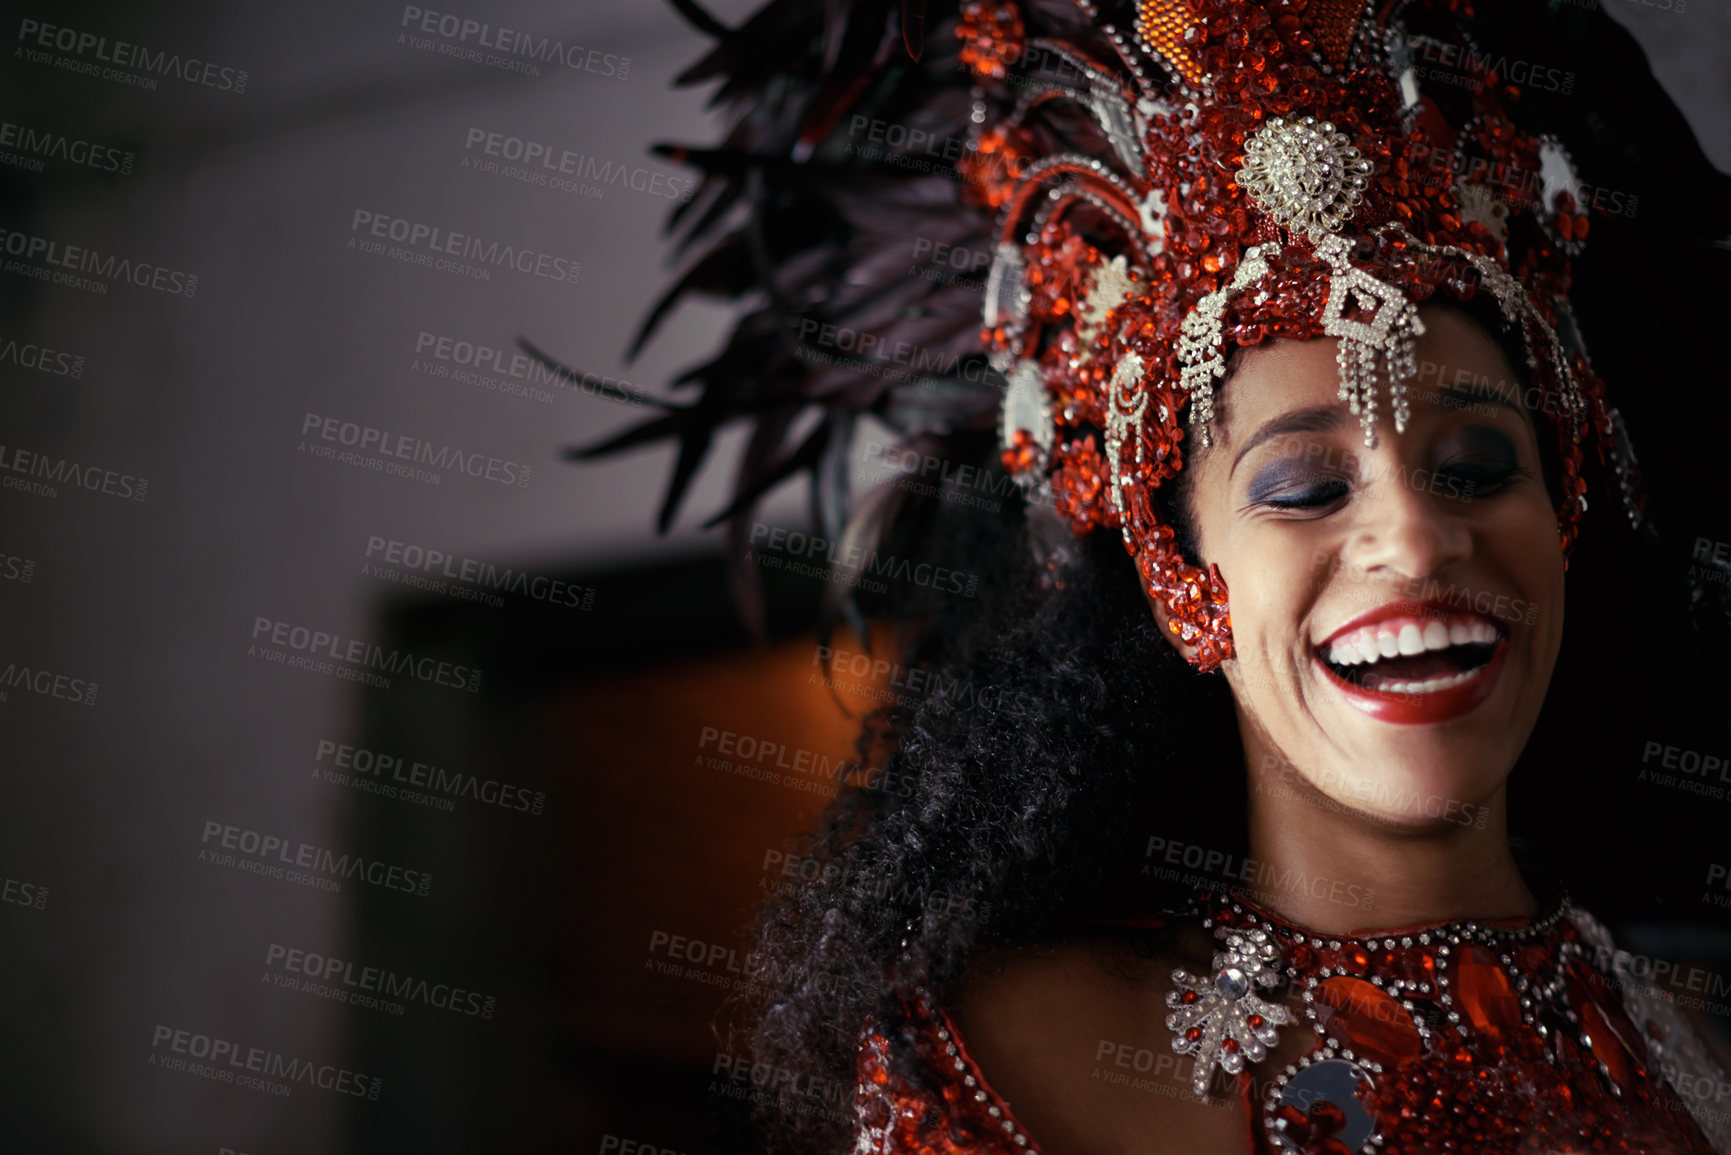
(1479, 1034)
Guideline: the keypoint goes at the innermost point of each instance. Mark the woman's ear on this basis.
(1163, 618)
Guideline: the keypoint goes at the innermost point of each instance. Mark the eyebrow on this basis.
(1313, 419)
(1482, 391)
(1327, 418)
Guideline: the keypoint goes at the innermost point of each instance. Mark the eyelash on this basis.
(1485, 478)
(1485, 481)
(1310, 498)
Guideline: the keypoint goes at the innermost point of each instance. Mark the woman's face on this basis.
(1396, 612)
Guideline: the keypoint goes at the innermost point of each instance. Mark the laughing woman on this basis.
(1278, 348)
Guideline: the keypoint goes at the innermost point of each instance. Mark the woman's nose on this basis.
(1405, 528)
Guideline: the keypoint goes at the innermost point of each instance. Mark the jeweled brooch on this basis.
(1220, 1020)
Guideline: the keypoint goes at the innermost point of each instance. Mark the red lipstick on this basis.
(1406, 708)
(1404, 650)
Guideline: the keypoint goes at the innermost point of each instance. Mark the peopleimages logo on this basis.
(20, 893)
(852, 559)
(366, 440)
(334, 759)
(33, 472)
(439, 571)
(477, 363)
(1215, 866)
(33, 146)
(311, 972)
(355, 654)
(229, 1062)
(269, 853)
(440, 248)
(508, 48)
(54, 362)
(538, 163)
(29, 679)
(82, 267)
(34, 37)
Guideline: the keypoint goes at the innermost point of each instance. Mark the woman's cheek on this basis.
(1268, 618)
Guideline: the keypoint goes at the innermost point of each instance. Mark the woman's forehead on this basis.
(1458, 361)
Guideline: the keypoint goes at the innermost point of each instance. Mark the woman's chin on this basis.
(1431, 790)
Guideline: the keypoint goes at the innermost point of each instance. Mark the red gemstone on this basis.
(1615, 1041)
(1193, 1034)
(1366, 1019)
(1482, 990)
(1355, 957)
(1416, 965)
(1188, 997)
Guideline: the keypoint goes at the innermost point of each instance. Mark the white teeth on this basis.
(1374, 643)
(1428, 686)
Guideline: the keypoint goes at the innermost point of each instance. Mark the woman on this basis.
(1226, 862)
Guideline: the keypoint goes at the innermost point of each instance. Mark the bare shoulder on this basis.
(1073, 1035)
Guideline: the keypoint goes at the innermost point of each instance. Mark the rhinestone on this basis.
(1233, 983)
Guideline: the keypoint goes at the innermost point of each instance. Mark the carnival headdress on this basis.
(1154, 184)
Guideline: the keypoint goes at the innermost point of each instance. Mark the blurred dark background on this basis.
(600, 815)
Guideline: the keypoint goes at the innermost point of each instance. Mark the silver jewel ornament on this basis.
(1323, 1078)
(1110, 287)
(1201, 340)
(1479, 203)
(1026, 407)
(1304, 174)
(1125, 405)
(1224, 1003)
(1116, 120)
(1007, 300)
(1382, 323)
(1026, 402)
(1557, 176)
(1400, 66)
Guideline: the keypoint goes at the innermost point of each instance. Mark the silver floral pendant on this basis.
(1221, 1020)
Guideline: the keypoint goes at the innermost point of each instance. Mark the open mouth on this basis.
(1407, 656)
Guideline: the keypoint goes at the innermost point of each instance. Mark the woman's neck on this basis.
(1333, 869)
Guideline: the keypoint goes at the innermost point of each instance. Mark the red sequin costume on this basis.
(1467, 1037)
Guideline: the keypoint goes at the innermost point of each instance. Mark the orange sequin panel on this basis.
(1334, 23)
(1161, 23)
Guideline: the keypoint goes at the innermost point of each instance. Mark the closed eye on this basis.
(1310, 497)
(1483, 478)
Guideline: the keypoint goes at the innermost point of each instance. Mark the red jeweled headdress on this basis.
(1147, 185)
(1245, 171)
